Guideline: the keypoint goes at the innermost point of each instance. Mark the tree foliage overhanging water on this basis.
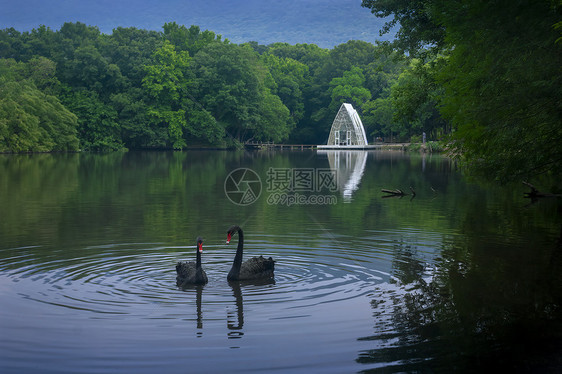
(498, 77)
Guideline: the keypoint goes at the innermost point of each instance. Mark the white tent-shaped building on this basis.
(347, 128)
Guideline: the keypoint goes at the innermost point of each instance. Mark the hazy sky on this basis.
(303, 21)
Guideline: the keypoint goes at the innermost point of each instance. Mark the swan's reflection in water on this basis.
(234, 316)
(199, 296)
(198, 302)
(235, 319)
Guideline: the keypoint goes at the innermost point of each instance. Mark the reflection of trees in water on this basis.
(492, 307)
(406, 267)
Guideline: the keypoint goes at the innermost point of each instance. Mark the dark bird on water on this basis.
(254, 268)
(191, 272)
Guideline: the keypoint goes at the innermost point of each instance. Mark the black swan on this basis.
(191, 272)
(254, 268)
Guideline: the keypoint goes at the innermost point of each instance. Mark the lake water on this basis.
(460, 277)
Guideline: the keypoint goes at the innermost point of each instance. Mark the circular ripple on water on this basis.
(135, 278)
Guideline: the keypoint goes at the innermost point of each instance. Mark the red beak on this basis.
(229, 236)
(200, 245)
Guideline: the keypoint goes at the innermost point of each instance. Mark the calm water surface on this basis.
(459, 278)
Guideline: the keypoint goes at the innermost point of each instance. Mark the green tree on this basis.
(418, 28)
(231, 86)
(138, 130)
(289, 79)
(166, 80)
(191, 40)
(501, 81)
(42, 72)
(10, 39)
(348, 61)
(349, 89)
(131, 50)
(383, 72)
(378, 118)
(308, 54)
(31, 121)
(310, 128)
(90, 70)
(415, 98)
(98, 128)
(344, 57)
(274, 124)
(503, 87)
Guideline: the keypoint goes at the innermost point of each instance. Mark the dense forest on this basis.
(482, 76)
(79, 88)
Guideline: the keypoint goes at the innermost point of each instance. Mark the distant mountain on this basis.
(323, 22)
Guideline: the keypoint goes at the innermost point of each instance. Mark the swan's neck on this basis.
(199, 275)
(238, 258)
(198, 259)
